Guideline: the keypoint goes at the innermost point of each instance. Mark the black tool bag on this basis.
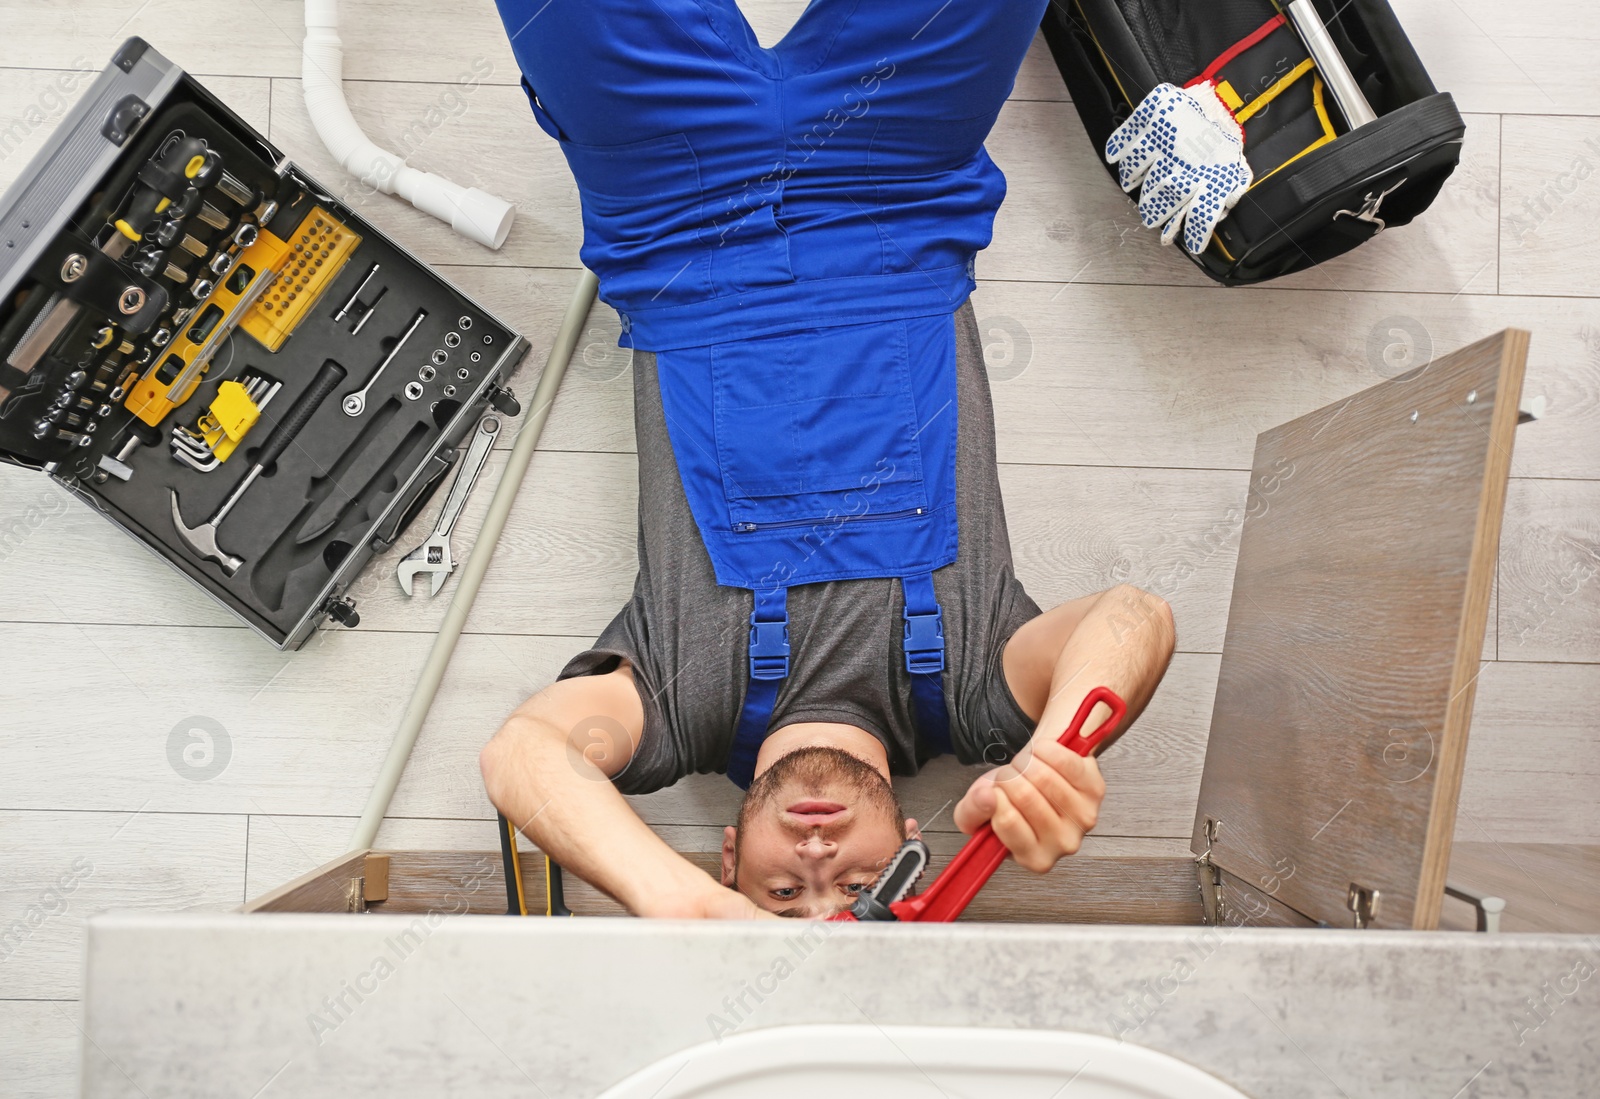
(1320, 189)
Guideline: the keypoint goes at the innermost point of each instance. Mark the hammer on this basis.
(202, 540)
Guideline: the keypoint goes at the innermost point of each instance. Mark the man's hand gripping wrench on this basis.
(982, 855)
(433, 556)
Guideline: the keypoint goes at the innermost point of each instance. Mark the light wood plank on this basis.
(567, 559)
(1159, 376)
(1550, 572)
(69, 565)
(283, 848)
(1546, 886)
(39, 1044)
(34, 101)
(307, 731)
(325, 889)
(59, 561)
(770, 20)
(1505, 57)
(1038, 78)
(304, 734)
(1080, 374)
(300, 733)
(409, 40)
(1550, 206)
(1533, 760)
(438, 44)
(62, 867)
(424, 123)
(1074, 531)
(1173, 532)
(1492, 57)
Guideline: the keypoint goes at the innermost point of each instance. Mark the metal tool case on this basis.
(176, 293)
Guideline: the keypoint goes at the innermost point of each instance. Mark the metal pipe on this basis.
(477, 563)
(1330, 63)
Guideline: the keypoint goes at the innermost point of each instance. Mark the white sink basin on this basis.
(898, 1062)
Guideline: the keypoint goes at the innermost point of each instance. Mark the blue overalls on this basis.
(790, 230)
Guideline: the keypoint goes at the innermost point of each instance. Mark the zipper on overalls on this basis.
(747, 528)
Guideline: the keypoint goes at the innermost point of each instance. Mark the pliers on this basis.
(977, 860)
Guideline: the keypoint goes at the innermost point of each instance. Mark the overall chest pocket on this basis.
(750, 250)
(642, 216)
(817, 427)
(935, 186)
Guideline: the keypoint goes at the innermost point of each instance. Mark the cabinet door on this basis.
(1354, 638)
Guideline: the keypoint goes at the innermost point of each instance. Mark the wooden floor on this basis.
(1128, 392)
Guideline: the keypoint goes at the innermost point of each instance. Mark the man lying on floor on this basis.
(825, 595)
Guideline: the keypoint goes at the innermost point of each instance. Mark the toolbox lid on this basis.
(1354, 636)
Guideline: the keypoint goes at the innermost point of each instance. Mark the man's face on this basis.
(815, 829)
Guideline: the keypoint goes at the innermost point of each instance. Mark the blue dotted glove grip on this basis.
(1186, 150)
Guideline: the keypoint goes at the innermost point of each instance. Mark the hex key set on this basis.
(224, 359)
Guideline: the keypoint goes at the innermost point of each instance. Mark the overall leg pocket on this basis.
(817, 426)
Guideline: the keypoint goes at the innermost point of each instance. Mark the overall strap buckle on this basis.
(924, 631)
(769, 635)
(924, 642)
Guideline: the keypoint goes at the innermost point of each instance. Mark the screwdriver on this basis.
(181, 159)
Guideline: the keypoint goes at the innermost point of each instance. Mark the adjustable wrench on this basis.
(433, 556)
(977, 861)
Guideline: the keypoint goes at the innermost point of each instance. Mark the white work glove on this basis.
(1186, 149)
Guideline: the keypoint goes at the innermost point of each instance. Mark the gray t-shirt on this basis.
(687, 638)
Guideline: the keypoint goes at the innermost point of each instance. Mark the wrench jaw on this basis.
(433, 558)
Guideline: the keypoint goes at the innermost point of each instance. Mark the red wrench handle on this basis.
(982, 855)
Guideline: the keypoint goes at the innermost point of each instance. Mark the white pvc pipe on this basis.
(474, 214)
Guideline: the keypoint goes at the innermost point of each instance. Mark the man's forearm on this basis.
(1124, 642)
(568, 806)
(1047, 799)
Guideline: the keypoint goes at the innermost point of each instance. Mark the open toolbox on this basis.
(204, 345)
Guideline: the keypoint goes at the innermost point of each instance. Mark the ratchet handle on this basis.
(982, 855)
(326, 381)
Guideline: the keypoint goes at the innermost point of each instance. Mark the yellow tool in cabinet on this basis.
(267, 292)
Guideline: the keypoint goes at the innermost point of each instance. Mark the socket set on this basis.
(221, 358)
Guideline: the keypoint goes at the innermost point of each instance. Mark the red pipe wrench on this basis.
(977, 861)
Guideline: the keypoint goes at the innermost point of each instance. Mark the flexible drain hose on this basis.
(444, 645)
(474, 214)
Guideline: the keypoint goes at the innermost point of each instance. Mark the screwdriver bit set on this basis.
(220, 357)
